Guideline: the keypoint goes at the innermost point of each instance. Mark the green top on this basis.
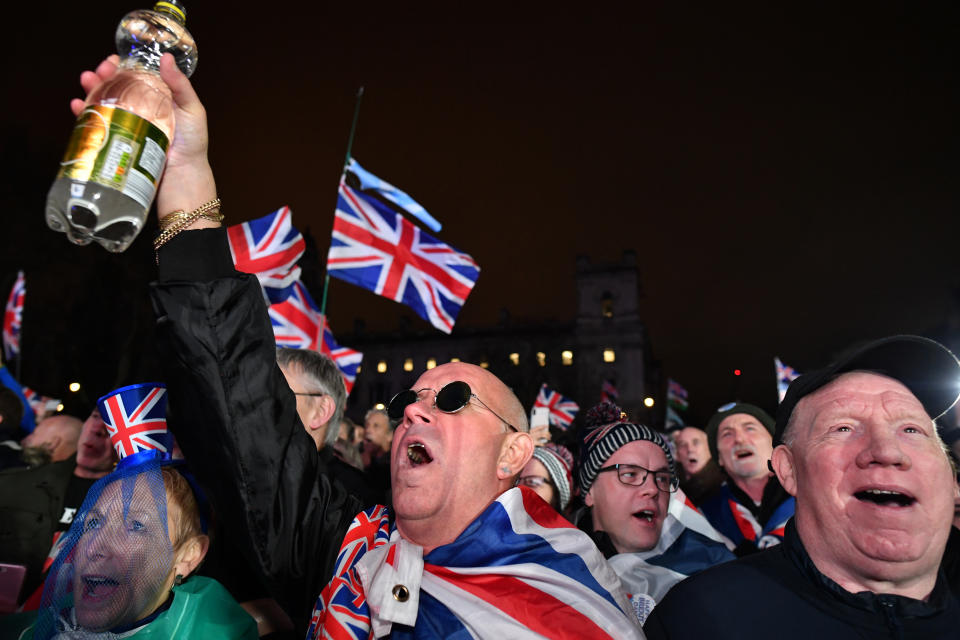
(201, 608)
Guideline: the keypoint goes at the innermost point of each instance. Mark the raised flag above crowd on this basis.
(375, 247)
(13, 317)
(609, 393)
(269, 248)
(562, 409)
(676, 402)
(785, 375)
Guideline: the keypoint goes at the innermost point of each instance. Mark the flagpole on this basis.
(346, 161)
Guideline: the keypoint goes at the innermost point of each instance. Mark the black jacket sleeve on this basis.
(235, 419)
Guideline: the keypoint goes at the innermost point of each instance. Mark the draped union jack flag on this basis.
(562, 410)
(269, 248)
(13, 317)
(376, 248)
(136, 419)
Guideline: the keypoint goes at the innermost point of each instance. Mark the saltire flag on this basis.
(363, 180)
(785, 375)
(609, 393)
(562, 409)
(136, 419)
(41, 405)
(13, 317)
(269, 248)
(676, 396)
(375, 248)
(296, 324)
(513, 573)
(688, 544)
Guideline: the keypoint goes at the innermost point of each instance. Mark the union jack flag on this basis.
(609, 393)
(136, 419)
(369, 183)
(13, 317)
(296, 325)
(41, 405)
(562, 410)
(785, 375)
(375, 248)
(269, 248)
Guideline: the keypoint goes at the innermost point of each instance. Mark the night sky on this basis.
(787, 177)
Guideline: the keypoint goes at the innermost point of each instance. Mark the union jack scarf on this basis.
(518, 571)
(735, 521)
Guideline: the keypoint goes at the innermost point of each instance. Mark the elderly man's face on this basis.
(871, 479)
(377, 430)
(632, 516)
(444, 465)
(693, 453)
(743, 446)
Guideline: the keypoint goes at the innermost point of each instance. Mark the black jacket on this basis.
(779, 593)
(235, 420)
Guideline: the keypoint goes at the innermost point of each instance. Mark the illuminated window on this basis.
(541, 358)
(358, 368)
(515, 358)
(566, 357)
(454, 359)
(648, 402)
(382, 366)
(431, 363)
(408, 364)
(379, 406)
(484, 364)
(609, 355)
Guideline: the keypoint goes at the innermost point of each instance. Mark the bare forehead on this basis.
(689, 434)
(482, 382)
(862, 392)
(737, 420)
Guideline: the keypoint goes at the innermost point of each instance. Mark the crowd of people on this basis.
(441, 517)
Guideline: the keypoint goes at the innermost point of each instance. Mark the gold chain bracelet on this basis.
(181, 221)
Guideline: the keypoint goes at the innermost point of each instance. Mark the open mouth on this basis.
(98, 586)
(885, 497)
(417, 454)
(743, 454)
(645, 514)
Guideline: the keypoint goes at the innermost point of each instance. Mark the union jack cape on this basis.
(13, 317)
(737, 523)
(376, 248)
(688, 544)
(518, 571)
(562, 409)
(269, 248)
(785, 375)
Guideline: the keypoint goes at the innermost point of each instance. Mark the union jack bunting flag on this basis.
(41, 405)
(785, 375)
(269, 248)
(609, 393)
(13, 317)
(375, 248)
(676, 396)
(136, 419)
(347, 360)
(562, 410)
(363, 180)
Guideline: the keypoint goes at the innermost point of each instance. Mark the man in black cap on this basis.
(750, 508)
(858, 447)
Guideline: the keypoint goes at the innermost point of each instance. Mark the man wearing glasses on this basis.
(637, 516)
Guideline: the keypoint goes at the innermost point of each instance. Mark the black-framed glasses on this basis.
(533, 482)
(451, 398)
(635, 475)
(311, 393)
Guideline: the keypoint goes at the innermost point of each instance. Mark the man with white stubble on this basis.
(858, 447)
(463, 553)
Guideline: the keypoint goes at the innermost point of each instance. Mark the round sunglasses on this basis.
(451, 398)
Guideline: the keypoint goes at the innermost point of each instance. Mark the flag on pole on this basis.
(13, 317)
(785, 375)
(562, 410)
(676, 396)
(363, 180)
(296, 325)
(376, 248)
(269, 248)
(609, 393)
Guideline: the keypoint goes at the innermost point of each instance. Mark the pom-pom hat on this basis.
(559, 464)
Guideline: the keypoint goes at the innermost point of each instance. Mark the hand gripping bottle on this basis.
(115, 157)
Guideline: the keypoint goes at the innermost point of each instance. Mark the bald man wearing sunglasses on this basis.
(463, 553)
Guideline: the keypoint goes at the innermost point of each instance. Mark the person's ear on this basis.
(190, 554)
(515, 453)
(588, 499)
(322, 411)
(782, 463)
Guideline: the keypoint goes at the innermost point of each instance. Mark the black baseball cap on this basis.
(926, 367)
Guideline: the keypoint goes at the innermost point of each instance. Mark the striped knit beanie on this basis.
(602, 441)
(559, 463)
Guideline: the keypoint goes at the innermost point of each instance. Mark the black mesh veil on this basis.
(115, 566)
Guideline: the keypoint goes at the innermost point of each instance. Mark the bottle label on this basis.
(117, 149)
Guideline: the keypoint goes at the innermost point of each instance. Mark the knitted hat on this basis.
(605, 433)
(559, 463)
(728, 410)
